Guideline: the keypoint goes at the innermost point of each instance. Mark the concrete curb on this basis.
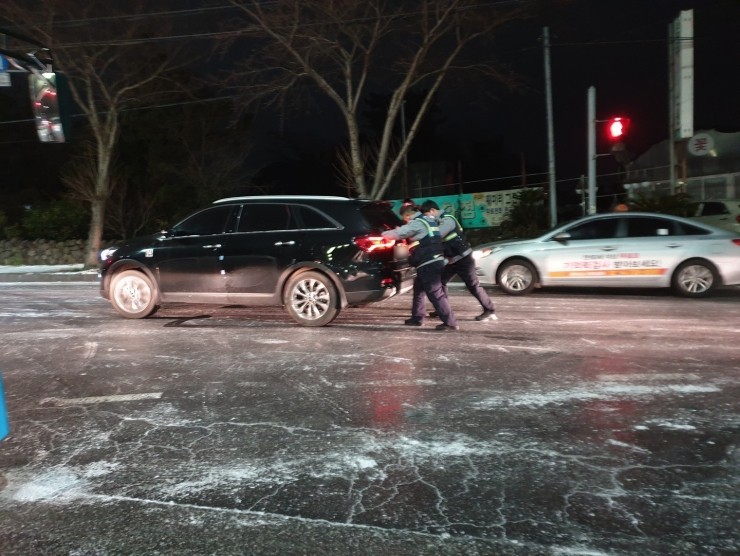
(16, 277)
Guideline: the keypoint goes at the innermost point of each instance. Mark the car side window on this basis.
(682, 229)
(649, 227)
(206, 222)
(312, 219)
(597, 229)
(653, 227)
(266, 218)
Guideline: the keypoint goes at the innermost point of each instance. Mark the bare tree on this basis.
(344, 47)
(111, 63)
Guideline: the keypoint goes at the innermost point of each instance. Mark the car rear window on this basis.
(312, 219)
(380, 216)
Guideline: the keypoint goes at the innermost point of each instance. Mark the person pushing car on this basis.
(427, 255)
(460, 261)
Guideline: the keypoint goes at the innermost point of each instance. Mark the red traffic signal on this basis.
(616, 128)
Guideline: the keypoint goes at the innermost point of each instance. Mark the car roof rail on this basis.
(284, 198)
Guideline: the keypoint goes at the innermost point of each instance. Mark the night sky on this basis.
(619, 47)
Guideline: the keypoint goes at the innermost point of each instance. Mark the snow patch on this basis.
(60, 485)
(596, 392)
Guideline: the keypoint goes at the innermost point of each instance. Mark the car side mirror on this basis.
(562, 237)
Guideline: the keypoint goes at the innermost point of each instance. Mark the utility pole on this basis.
(591, 125)
(671, 112)
(550, 134)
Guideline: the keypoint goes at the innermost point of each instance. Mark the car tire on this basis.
(517, 277)
(133, 294)
(695, 278)
(311, 299)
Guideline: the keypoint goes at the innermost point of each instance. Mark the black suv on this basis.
(313, 255)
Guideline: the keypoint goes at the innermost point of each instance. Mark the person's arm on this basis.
(411, 229)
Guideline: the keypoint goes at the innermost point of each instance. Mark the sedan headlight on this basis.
(479, 254)
(107, 252)
(486, 251)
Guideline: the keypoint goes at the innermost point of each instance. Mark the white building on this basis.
(707, 167)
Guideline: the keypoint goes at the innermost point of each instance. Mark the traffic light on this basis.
(616, 129)
(50, 104)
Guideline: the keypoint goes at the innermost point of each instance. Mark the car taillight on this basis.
(736, 242)
(370, 244)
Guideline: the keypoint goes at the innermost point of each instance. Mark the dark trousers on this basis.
(428, 283)
(465, 269)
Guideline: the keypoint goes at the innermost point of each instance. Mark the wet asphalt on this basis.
(581, 423)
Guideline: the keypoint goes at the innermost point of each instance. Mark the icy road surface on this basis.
(580, 423)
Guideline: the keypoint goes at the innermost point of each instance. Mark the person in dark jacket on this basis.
(427, 255)
(460, 261)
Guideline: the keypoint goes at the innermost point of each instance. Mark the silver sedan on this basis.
(632, 249)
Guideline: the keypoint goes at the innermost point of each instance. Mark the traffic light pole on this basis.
(591, 126)
(550, 135)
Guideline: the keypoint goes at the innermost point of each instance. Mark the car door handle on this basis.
(214, 246)
(608, 248)
(278, 243)
(673, 245)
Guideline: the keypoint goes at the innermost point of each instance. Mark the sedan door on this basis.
(582, 255)
(654, 246)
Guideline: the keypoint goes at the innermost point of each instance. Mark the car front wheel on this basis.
(133, 294)
(311, 299)
(517, 277)
(695, 278)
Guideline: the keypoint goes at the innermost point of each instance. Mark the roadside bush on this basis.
(61, 220)
(679, 204)
(528, 217)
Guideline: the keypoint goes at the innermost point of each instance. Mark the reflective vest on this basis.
(455, 245)
(428, 248)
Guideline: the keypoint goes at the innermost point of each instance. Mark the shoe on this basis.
(433, 314)
(487, 315)
(412, 322)
(446, 328)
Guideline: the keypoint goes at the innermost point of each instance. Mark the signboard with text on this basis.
(473, 210)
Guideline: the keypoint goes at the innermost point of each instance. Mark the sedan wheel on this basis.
(133, 295)
(517, 277)
(311, 299)
(695, 279)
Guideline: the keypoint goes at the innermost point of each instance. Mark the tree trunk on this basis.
(95, 234)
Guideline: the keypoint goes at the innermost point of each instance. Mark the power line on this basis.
(224, 34)
(133, 109)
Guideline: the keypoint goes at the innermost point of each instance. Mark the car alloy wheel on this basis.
(133, 294)
(311, 299)
(517, 277)
(694, 278)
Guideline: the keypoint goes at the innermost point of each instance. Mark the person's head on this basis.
(429, 208)
(408, 212)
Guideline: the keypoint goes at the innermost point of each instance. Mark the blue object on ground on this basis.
(4, 427)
